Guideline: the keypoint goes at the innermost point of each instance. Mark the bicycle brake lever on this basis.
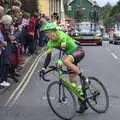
(42, 76)
(46, 80)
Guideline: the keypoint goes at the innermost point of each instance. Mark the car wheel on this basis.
(115, 43)
(110, 42)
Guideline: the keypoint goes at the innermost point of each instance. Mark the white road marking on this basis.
(45, 97)
(21, 87)
(26, 83)
(113, 54)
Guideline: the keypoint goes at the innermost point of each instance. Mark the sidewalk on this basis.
(28, 62)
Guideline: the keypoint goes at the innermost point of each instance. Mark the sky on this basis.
(103, 2)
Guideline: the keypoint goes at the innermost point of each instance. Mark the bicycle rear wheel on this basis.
(97, 95)
(61, 100)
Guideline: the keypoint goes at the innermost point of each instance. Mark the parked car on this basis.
(105, 37)
(116, 35)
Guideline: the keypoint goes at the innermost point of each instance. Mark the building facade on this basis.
(77, 8)
(52, 8)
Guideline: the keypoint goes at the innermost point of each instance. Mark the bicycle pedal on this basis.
(82, 109)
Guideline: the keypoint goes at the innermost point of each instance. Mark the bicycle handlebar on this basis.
(43, 75)
(52, 68)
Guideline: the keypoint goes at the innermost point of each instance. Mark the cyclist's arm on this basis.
(47, 59)
(49, 54)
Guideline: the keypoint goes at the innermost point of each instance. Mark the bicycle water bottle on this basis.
(74, 88)
(80, 90)
(71, 86)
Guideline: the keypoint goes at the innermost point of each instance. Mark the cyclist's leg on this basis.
(76, 57)
(71, 62)
(72, 76)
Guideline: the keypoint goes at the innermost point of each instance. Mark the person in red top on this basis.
(31, 28)
(32, 33)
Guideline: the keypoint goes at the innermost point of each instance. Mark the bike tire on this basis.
(64, 114)
(93, 101)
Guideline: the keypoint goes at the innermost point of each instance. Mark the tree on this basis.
(105, 11)
(110, 15)
(115, 13)
(105, 14)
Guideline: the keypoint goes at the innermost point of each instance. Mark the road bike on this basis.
(62, 95)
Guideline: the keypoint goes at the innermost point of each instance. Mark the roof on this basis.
(70, 1)
(92, 2)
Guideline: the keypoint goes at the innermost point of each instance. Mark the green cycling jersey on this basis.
(64, 40)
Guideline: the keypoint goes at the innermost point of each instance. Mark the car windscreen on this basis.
(87, 27)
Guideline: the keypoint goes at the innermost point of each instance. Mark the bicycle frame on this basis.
(61, 73)
(69, 85)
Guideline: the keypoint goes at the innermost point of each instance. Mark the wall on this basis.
(43, 6)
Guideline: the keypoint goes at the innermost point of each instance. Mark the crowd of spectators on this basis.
(20, 36)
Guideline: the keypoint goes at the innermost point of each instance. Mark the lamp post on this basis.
(95, 15)
(83, 11)
(69, 9)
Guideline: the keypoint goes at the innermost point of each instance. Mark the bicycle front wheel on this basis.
(61, 100)
(97, 95)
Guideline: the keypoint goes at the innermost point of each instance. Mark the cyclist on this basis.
(58, 39)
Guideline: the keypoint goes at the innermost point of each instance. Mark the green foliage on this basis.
(110, 15)
(115, 10)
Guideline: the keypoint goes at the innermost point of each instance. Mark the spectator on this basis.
(24, 24)
(31, 35)
(4, 59)
(3, 62)
(17, 3)
(42, 36)
(37, 25)
(11, 49)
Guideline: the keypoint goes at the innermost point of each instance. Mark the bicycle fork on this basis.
(62, 95)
